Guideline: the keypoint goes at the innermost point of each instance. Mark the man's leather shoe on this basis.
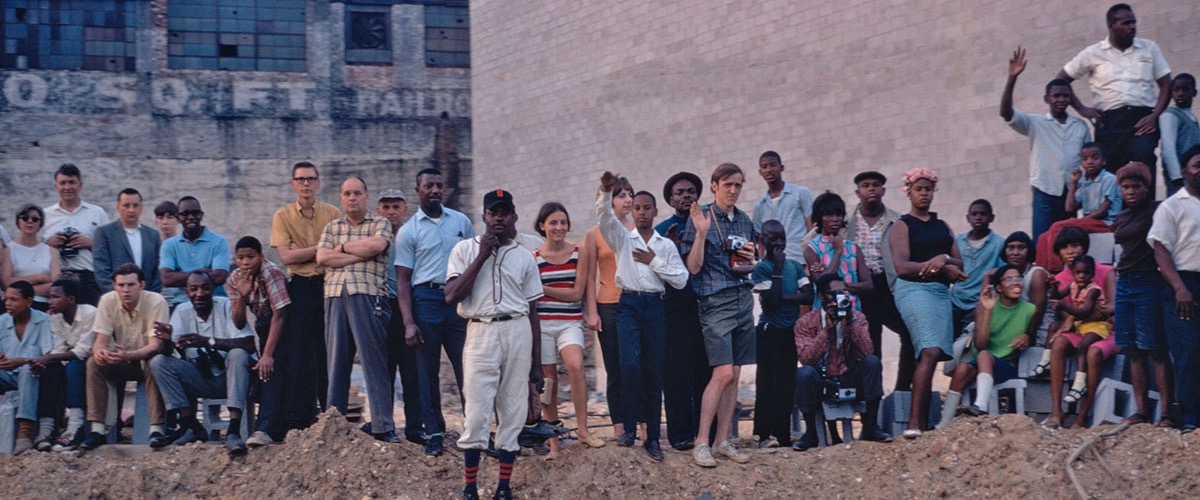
(433, 446)
(685, 445)
(652, 447)
(92, 441)
(415, 438)
(503, 493)
(626, 440)
(470, 492)
(191, 436)
(235, 444)
(388, 437)
(804, 443)
(876, 436)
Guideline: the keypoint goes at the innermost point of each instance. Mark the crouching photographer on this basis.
(834, 346)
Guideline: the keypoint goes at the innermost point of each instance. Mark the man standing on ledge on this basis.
(717, 246)
(295, 231)
(355, 250)
(1123, 71)
(70, 225)
(496, 284)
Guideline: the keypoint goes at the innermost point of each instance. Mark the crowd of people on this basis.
(91, 302)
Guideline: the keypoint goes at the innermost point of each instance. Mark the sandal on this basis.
(1138, 418)
(1165, 423)
(592, 442)
(1041, 370)
(1074, 395)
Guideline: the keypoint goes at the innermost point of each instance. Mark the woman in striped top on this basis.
(564, 271)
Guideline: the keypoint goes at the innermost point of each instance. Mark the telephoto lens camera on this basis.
(836, 392)
(843, 303)
(65, 251)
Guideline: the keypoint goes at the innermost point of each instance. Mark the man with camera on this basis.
(70, 226)
(216, 363)
(834, 346)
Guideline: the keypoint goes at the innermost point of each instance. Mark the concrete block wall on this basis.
(230, 137)
(563, 90)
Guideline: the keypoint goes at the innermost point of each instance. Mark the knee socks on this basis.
(949, 407)
(507, 459)
(45, 428)
(983, 390)
(74, 421)
(471, 466)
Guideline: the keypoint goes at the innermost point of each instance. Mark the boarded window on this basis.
(447, 36)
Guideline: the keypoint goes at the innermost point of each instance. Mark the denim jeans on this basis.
(443, 329)
(22, 379)
(1183, 339)
(643, 346)
(865, 376)
(1047, 209)
(59, 379)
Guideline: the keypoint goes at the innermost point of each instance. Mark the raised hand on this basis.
(987, 298)
(488, 243)
(1017, 64)
(607, 181)
(701, 220)
(1076, 175)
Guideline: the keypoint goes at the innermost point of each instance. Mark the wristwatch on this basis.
(212, 342)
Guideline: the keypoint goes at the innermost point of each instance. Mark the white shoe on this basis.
(727, 450)
(259, 438)
(702, 454)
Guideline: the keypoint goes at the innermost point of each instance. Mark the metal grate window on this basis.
(68, 34)
(240, 35)
(368, 35)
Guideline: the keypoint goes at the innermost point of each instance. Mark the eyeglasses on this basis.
(191, 213)
(30, 218)
(1011, 279)
(306, 180)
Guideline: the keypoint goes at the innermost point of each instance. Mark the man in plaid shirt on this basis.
(354, 249)
(261, 286)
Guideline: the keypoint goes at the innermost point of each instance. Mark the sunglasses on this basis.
(30, 218)
(306, 180)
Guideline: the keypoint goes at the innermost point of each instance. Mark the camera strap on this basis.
(823, 365)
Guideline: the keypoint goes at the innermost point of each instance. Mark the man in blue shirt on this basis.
(197, 248)
(718, 248)
(430, 325)
(790, 204)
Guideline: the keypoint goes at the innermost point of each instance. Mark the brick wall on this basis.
(563, 90)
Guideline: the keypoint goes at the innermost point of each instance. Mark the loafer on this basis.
(626, 440)
(654, 450)
(804, 443)
(259, 438)
(684, 445)
(470, 492)
(235, 444)
(540, 430)
(388, 437)
(92, 441)
(434, 446)
(503, 493)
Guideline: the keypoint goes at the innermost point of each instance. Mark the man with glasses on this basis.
(295, 232)
(70, 225)
(196, 248)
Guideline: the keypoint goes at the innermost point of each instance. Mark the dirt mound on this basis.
(1008, 456)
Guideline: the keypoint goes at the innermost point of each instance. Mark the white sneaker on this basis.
(770, 442)
(259, 438)
(727, 450)
(702, 455)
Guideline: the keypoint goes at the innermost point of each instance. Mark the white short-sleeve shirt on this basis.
(505, 285)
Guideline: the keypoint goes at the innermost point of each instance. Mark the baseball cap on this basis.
(496, 198)
(392, 194)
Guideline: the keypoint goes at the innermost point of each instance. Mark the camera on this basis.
(65, 251)
(734, 243)
(843, 303)
(834, 391)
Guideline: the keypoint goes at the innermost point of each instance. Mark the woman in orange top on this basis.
(600, 313)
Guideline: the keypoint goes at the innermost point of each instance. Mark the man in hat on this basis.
(401, 357)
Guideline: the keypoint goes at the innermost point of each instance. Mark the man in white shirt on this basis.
(646, 263)
(70, 226)
(127, 240)
(216, 363)
(1175, 235)
(790, 204)
(64, 369)
(1123, 72)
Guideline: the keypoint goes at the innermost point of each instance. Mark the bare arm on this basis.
(366, 248)
(458, 287)
(154, 346)
(292, 255)
(1083, 310)
(332, 257)
(1185, 303)
(701, 221)
(1037, 297)
(1015, 66)
(1149, 123)
(1101, 212)
(591, 313)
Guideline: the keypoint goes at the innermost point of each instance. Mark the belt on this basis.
(643, 294)
(430, 284)
(81, 272)
(506, 317)
(308, 278)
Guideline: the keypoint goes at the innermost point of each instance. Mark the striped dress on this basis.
(558, 276)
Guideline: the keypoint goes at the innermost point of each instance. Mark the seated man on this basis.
(1003, 329)
(64, 367)
(216, 363)
(24, 335)
(834, 345)
(124, 343)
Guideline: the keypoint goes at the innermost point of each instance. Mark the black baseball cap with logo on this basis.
(497, 198)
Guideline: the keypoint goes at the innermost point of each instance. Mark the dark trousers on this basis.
(402, 359)
(89, 291)
(306, 376)
(776, 383)
(443, 329)
(272, 394)
(865, 376)
(685, 369)
(1183, 339)
(879, 306)
(59, 380)
(1047, 209)
(610, 347)
(643, 344)
(357, 324)
(1115, 134)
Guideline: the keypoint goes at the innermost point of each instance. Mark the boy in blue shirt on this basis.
(1092, 188)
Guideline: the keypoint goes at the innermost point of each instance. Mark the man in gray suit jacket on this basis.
(127, 240)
